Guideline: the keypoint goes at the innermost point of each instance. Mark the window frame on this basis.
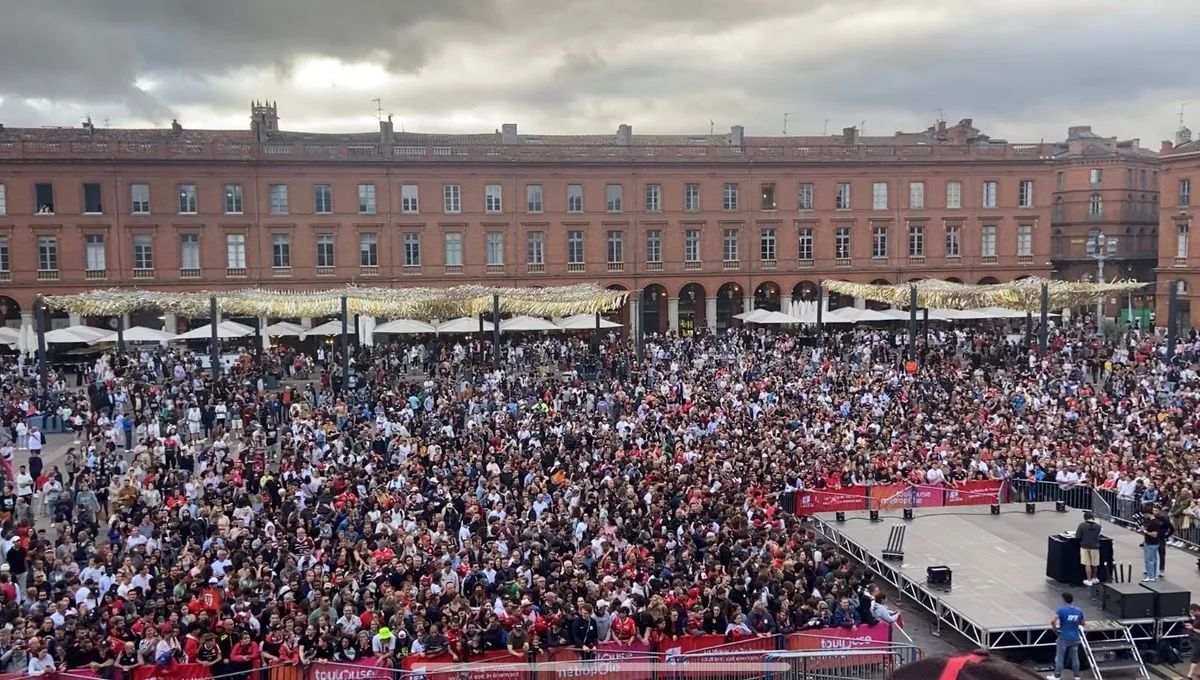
(192, 240)
(493, 199)
(366, 199)
(805, 243)
(188, 196)
(653, 197)
(143, 251)
(273, 205)
(411, 245)
(326, 245)
(410, 199)
(916, 195)
(235, 251)
(691, 197)
(768, 244)
(137, 206)
(535, 198)
(693, 240)
(731, 242)
(730, 196)
(916, 240)
(455, 239)
(805, 196)
(235, 199)
(535, 248)
(988, 234)
(614, 246)
(576, 241)
(842, 196)
(991, 193)
(574, 198)
(47, 253)
(614, 198)
(954, 194)
(323, 191)
(879, 241)
(654, 244)
(94, 244)
(879, 196)
(368, 249)
(281, 251)
(452, 199)
(494, 248)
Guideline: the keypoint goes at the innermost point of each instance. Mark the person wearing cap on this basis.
(383, 645)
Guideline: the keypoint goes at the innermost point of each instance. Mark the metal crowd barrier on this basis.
(1075, 496)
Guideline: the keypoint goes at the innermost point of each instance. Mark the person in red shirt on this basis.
(624, 628)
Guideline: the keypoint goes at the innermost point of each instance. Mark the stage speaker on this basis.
(1030, 508)
(1060, 506)
(995, 509)
(1127, 601)
(839, 516)
(874, 515)
(939, 576)
(908, 513)
(1169, 599)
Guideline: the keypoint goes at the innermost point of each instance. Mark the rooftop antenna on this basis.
(710, 126)
(785, 120)
(941, 115)
(1182, 106)
(825, 130)
(378, 109)
(862, 128)
(105, 123)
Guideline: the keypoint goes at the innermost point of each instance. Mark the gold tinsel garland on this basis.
(1024, 294)
(383, 303)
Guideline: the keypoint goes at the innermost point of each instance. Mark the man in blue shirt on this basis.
(1068, 623)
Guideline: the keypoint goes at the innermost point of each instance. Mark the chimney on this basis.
(1166, 147)
(176, 128)
(737, 135)
(850, 136)
(385, 131)
(624, 135)
(1183, 136)
(508, 134)
(941, 130)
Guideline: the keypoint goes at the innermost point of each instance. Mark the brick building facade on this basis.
(1178, 254)
(704, 226)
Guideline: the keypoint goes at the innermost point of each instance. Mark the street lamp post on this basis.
(1100, 248)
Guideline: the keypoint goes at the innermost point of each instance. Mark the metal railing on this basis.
(1074, 495)
(846, 664)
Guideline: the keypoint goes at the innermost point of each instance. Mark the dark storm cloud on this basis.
(1021, 67)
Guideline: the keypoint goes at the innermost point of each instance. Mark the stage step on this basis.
(1110, 655)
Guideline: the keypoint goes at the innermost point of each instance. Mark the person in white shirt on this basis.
(40, 661)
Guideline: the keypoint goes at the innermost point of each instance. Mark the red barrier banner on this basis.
(858, 637)
(928, 496)
(983, 492)
(615, 651)
(715, 648)
(363, 669)
(811, 501)
(179, 671)
(505, 666)
(891, 496)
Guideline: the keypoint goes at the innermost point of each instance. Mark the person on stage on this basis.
(1088, 533)
(1068, 623)
(1153, 532)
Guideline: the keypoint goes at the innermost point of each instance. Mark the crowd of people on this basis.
(432, 503)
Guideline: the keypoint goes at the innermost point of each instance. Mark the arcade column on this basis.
(673, 314)
(710, 313)
(635, 314)
(170, 322)
(747, 304)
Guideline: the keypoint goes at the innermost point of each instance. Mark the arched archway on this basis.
(692, 306)
(621, 314)
(875, 305)
(988, 281)
(839, 301)
(729, 302)
(11, 310)
(654, 305)
(766, 296)
(805, 291)
(953, 279)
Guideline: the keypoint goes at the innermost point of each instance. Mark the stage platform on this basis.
(1001, 597)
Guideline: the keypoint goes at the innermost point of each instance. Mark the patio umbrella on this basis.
(9, 336)
(777, 319)
(464, 324)
(752, 316)
(225, 329)
(408, 327)
(582, 322)
(333, 327)
(84, 334)
(138, 334)
(519, 324)
(284, 329)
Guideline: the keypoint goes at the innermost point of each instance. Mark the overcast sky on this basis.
(1022, 69)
